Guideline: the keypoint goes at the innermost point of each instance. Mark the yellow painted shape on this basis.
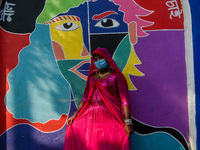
(71, 41)
(130, 68)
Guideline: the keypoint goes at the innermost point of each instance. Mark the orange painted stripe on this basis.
(61, 18)
(74, 18)
(78, 18)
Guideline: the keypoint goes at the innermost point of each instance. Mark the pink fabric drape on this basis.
(99, 125)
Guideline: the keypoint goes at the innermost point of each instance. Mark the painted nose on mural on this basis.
(108, 41)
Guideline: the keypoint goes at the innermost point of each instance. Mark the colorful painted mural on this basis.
(46, 47)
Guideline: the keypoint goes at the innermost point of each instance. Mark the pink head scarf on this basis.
(106, 55)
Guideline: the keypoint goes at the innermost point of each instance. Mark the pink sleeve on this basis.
(123, 92)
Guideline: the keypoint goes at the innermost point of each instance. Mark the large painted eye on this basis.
(107, 23)
(68, 26)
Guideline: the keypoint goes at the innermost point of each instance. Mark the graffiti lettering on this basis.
(174, 8)
(7, 11)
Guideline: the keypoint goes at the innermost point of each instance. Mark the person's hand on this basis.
(71, 119)
(129, 130)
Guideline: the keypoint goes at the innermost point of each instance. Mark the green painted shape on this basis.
(54, 7)
(122, 53)
(77, 83)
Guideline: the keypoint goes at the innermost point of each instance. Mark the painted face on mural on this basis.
(77, 33)
(55, 60)
(67, 39)
(107, 28)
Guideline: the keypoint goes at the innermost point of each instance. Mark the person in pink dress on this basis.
(102, 120)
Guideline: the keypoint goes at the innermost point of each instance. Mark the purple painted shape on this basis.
(161, 95)
(26, 137)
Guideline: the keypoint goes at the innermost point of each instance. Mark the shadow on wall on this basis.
(38, 92)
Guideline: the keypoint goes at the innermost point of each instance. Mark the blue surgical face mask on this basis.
(101, 64)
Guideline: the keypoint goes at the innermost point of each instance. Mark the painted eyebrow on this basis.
(102, 15)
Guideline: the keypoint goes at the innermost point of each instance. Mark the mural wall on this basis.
(46, 47)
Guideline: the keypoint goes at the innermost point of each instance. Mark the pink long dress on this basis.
(98, 127)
